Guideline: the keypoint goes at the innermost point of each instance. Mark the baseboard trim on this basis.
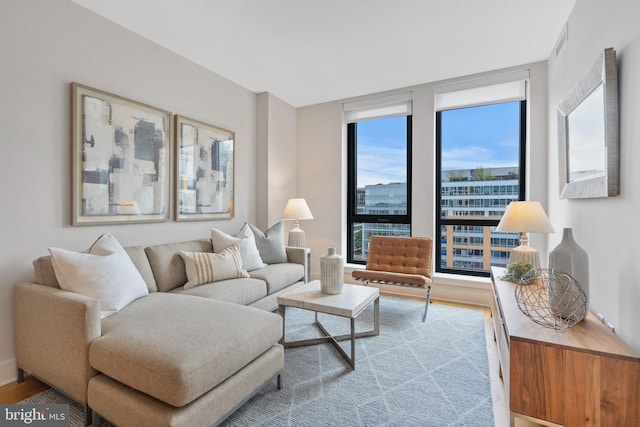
(8, 372)
(455, 294)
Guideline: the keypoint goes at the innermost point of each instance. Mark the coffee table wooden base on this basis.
(337, 338)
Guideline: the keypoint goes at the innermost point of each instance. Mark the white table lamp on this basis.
(297, 209)
(525, 217)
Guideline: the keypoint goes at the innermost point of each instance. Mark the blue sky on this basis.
(478, 136)
(486, 136)
(382, 151)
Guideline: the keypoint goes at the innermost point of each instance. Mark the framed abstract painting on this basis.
(121, 159)
(204, 171)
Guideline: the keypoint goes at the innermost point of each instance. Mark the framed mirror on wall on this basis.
(588, 135)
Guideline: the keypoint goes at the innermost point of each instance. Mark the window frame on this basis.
(352, 190)
(439, 221)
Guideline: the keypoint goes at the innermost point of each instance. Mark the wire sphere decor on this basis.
(551, 298)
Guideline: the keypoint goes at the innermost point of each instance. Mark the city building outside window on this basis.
(480, 162)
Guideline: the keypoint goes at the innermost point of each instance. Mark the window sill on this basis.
(448, 287)
(462, 280)
(444, 278)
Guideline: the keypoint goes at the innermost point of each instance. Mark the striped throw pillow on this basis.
(207, 267)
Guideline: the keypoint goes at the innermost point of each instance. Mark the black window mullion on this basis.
(352, 192)
(523, 151)
(438, 213)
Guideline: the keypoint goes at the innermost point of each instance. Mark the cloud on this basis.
(381, 165)
(470, 157)
(461, 155)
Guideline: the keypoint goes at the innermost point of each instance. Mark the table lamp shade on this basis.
(525, 217)
(297, 209)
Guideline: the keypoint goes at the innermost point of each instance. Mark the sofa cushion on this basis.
(238, 291)
(167, 264)
(45, 275)
(105, 273)
(270, 243)
(123, 406)
(177, 347)
(140, 260)
(279, 276)
(246, 244)
(205, 267)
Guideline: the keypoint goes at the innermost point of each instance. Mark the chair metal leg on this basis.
(91, 417)
(426, 306)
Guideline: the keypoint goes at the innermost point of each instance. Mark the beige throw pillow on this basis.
(105, 273)
(207, 267)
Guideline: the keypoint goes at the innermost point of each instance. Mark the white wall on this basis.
(45, 45)
(276, 159)
(322, 169)
(606, 228)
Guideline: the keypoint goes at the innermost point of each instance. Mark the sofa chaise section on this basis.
(209, 342)
(212, 343)
(126, 407)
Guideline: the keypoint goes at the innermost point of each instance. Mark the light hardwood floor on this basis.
(14, 392)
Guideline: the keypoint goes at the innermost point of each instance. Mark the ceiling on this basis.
(311, 51)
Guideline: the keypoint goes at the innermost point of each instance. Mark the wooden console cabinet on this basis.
(581, 376)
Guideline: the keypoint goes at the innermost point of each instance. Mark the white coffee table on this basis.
(350, 303)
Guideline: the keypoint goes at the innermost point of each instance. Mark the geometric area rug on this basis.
(412, 374)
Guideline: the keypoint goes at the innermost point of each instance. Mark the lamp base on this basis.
(527, 254)
(296, 238)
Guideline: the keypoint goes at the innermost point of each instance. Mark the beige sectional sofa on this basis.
(175, 357)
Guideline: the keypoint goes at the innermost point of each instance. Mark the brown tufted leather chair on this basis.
(401, 261)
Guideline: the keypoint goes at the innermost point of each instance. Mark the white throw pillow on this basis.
(207, 267)
(246, 246)
(105, 273)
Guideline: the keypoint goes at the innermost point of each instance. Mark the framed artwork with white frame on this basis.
(204, 171)
(121, 159)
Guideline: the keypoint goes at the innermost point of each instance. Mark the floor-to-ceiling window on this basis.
(379, 176)
(480, 158)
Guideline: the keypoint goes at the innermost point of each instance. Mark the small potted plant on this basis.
(516, 270)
